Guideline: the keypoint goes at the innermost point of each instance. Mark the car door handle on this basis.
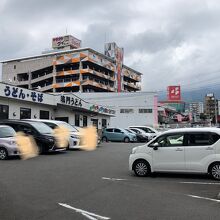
(179, 149)
(209, 148)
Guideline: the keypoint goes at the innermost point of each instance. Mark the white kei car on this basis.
(184, 150)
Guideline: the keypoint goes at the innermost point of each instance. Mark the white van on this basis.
(191, 150)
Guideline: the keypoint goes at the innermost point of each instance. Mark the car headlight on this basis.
(12, 142)
(75, 136)
(50, 140)
(134, 150)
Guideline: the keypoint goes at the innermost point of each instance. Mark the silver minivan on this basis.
(8, 145)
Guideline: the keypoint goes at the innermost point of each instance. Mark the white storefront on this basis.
(20, 103)
(135, 108)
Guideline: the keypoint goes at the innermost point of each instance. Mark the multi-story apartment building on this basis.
(73, 70)
(210, 106)
(196, 108)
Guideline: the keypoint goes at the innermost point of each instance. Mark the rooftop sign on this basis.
(65, 41)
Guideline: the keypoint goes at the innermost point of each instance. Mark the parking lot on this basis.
(98, 185)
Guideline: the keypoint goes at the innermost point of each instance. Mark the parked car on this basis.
(42, 134)
(99, 133)
(8, 145)
(191, 150)
(140, 137)
(148, 130)
(74, 136)
(147, 136)
(118, 134)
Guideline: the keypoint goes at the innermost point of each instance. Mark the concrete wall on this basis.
(11, 69)
(135, 101)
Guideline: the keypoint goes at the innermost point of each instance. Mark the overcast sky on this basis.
(170, 41)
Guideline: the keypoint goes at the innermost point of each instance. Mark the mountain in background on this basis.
(195, 95)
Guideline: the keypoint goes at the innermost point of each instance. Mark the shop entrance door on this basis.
(95, 122)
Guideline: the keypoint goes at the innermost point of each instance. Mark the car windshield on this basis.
(148, 130)
(129, 131)
(6, 132)
(68, 126)
(154, 130)
(42, 128)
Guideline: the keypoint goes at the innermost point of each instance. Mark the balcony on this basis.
(41, 78)
(137, 87)
(96, 73)
(98, 85)
(22, 82)
(67, 83)
(67, 72)
(45, 88)
(131, 75)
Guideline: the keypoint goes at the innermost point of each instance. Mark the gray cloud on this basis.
(171, 42)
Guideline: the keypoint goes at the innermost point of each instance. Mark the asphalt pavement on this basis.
(98, 185)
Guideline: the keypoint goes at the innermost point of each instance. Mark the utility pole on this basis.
(216, 112)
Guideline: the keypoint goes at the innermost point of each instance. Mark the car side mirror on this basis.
(27, 131)
(155, 146)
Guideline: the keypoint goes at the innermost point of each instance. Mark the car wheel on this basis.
(3, 154)
(126, 140)
(41, 149)
(105, 139)
(141, 168)
(215, 171)
(99, 141)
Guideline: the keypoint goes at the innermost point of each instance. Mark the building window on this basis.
(104, 123)
(14, 67)
(66, 119)
(44, 114)
(85, 121)
(25, 113)
(126, 110)
(4, 111)
(77, 120)
(145, 110)
(95, 122)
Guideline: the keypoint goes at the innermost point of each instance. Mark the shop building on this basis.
(20, 103)
(135, 108)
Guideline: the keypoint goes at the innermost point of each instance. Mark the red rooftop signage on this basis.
(173, 93)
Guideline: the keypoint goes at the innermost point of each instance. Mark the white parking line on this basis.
(113, 179)
(199, 197)
(200, 183)
(89, 215)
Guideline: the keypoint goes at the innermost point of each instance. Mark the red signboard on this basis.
(173, 93)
